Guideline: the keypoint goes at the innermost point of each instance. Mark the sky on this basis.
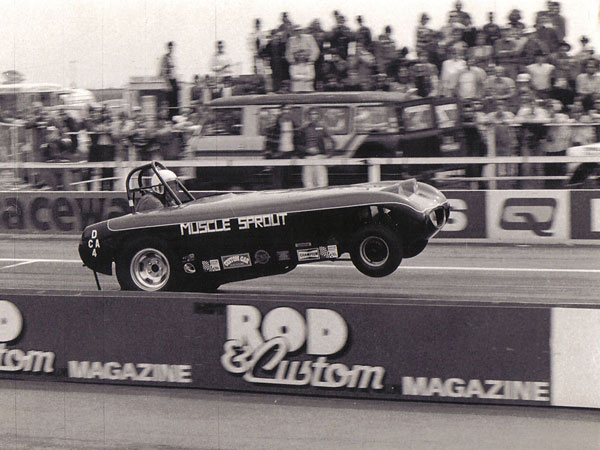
(101, 43)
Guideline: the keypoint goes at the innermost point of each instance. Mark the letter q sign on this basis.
(11, 321)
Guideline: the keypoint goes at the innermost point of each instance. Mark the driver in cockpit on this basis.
(157, 196)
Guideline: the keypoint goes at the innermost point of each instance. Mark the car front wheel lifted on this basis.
(376, 250)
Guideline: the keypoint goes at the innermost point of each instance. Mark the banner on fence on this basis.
(512, 216)
(444, 351)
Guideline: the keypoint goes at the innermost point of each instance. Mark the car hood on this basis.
(409, 194)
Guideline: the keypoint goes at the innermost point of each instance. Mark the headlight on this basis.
(433, 218)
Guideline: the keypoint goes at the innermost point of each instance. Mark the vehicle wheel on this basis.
(376, 250)
(146, 266)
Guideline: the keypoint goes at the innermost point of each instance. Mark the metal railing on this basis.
(17, 164)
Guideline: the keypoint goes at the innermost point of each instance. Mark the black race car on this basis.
(173, 241)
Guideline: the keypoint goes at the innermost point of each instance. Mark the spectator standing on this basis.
(385, 52)
(425, 78)
(167, 73)
(557, 20)
(586, 52)
(363, 35)
(403, 82)
(451, 68)
(514, 20)
(281, 135)
(197, 92)
(588, 82)
(301, 53)
(563, 87)
(541, 75)
(501, 119)
(506, 52)
(552, 18)
(491, 30)
(168, 140)
(320, 37)
(362, 64)
(276, 50)
(452, 35)
(481, 53)
(558, 139)
(546, 33)
(532, 115)
(535, 45)
(130, 125)
(282, 143)
(91, 125)
(582, 135)
(340, 36)
(499, 89)
(143, 140)
(106, 146)
(470, 81)
(317, 144)
(469, 34)
(462, 16)
(425, 37)
(257, 42)
(335, 70)
(221, 65)
(37, 123)
(474, 128)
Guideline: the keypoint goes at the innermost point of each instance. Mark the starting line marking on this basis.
(24, 261)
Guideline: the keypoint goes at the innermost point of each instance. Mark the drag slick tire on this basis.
(376, 250)
(145, 265)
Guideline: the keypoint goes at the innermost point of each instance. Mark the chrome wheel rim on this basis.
(374, 251)
(150, 269)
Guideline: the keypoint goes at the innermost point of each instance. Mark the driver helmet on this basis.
(167, 177)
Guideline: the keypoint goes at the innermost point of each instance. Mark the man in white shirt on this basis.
(449, 73)
(541, 75)
(221, 64)
(588, 82)
(470, 81)
(301, 53)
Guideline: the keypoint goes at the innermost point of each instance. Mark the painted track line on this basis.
(17, 264)
(474, 269)
(24, 261)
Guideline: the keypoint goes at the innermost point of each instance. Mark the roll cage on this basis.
(137, 186)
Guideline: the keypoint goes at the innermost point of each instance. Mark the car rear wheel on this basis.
(376, 250)
(146, 266)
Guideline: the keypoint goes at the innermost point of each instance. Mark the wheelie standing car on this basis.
(199, 244)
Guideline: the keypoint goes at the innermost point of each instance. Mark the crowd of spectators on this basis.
(461, 59)
(507, 74)
(52, 134)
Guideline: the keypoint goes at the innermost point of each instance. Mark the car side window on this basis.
(335, 118)
(417, 118)
(223, 122)
(447, 115)
(268, 116)
(369, 119)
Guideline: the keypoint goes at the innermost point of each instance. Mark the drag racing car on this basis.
(174, 241)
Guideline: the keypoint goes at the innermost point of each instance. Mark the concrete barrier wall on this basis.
(313, 345)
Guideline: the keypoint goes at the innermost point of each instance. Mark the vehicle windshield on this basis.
(154, 186)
